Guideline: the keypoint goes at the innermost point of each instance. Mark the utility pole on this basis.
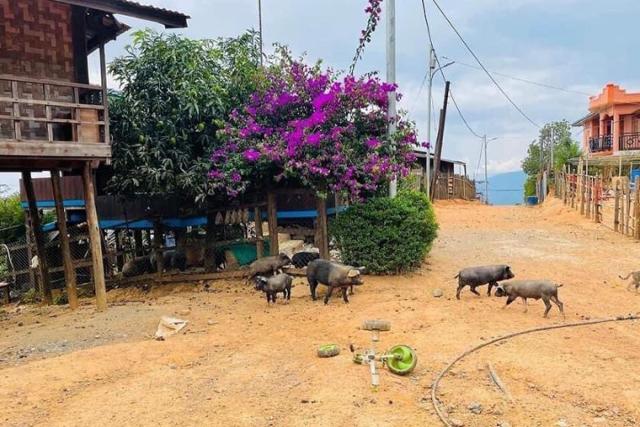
(260, 29)
(486, 179)
(439, 139)
(391, 78)
(432, 66)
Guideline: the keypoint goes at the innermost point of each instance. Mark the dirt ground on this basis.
(241, 363)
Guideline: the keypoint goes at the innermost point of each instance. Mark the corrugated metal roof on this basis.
(584, 119)
(170, 18)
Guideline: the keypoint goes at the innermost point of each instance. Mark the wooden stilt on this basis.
(272, 218)
(94, 237)
(137, 239)
(119, 249)
(36, 227)
(321, 223)
(67, 259)
(257, 219)
(158, 244)
(210, 241)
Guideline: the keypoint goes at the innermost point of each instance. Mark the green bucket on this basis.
(245, 252)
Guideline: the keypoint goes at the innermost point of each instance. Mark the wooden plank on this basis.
(52, 82)
(66, 150)
(67, 260)
(17, 132)
(257, 218)
(103, 80)
(51, 120)
(47, 96)
(321, 223)
(28, 101)
(43, 263)
(272, 219)
(94, 239)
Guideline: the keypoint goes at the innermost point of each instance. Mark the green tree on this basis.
(554, 136)
(11, 216)
(176, 94)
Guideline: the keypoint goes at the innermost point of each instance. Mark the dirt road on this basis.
(240, 362)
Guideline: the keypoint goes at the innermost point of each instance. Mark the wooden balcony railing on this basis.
(55, 113)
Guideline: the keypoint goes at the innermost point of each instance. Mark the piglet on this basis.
(273, 285)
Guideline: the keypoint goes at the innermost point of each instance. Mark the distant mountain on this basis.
(506, 188)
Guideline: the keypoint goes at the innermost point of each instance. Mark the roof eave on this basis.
(168, 18)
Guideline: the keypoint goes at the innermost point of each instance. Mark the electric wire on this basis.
(464, 42)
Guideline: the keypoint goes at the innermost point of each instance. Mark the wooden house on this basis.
(51, 117)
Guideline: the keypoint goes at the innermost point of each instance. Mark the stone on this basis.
(475, 408)
(504, 424)
(455, 422)
(562, 423)
(437, 293)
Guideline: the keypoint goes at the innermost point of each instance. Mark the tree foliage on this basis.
(11, 216)
(176, 94)
(554, 136)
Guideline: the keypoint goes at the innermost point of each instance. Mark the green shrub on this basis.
(30, 297)
(530, 186)
(386, 235)
(61, 299)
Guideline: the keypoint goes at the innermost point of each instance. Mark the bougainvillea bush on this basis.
(311, 126)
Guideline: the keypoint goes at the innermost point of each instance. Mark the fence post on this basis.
(596, 201)
(582, 191)
(636, 209)
(588, 194)
(616, 208)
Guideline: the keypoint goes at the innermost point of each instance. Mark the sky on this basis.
(579, 45)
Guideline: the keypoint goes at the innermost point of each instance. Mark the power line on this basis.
(426, 21)
(562, 89)
(482, 65)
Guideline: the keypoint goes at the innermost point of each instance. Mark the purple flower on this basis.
(314, 139)
(372, 143)
(235, 176)
(251, 155)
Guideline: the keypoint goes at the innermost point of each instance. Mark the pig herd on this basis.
(268, 276)
(492, 275)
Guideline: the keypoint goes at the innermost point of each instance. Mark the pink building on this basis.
(612, 126)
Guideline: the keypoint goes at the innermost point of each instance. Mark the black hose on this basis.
(434, 386)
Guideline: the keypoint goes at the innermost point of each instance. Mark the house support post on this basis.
(67, 260)
(94, 237)
(257, 219)
(36, 227)
(321, 223)
(272, 218)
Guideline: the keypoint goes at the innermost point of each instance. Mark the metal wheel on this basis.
(404, 360)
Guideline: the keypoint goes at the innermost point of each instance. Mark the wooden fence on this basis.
(616, 206)
(454, 187)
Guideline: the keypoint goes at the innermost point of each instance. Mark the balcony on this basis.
(600, 143)
(52, 119)
(630, 141)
